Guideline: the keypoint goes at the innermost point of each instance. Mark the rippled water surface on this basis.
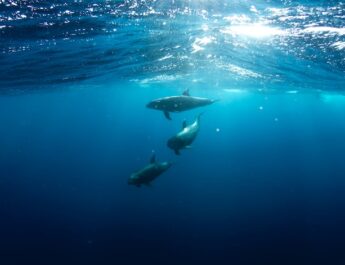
(242, 44)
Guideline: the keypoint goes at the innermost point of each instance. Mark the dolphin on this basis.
(185, 137)
(178, 103)
(150, 172)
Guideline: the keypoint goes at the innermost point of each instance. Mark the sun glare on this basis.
(253, 31)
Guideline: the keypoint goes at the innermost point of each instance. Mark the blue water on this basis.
(264, 181)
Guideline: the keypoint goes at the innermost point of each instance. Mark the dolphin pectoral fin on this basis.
(138, 185)
(186, 92)
(148, 184)
(184, 124)
(153, 158)
(167, 115)
(177, 152)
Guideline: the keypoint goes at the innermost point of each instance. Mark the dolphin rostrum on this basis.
(150, 172)
(185, 137)
(178, 103)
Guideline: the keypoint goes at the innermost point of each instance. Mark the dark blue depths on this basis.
(258, 186)
(264, 180)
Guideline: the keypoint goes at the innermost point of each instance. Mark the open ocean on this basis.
(262, 184)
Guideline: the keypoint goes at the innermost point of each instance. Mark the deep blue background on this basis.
(267, 188)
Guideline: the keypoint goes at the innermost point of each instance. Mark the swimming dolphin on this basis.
(185, 137)
(178, 103)
(150, 172)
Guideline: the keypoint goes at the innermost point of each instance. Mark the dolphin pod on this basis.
(182, 140)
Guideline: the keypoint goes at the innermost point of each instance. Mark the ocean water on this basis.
(264, 181)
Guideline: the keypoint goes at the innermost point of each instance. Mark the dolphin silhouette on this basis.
(178, 103)
(185, 137)
(150, 172)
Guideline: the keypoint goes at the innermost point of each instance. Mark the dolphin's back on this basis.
(149, 173)
(188, 134)
(182, 103)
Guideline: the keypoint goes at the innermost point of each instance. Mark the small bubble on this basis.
(276, 119)
(261, 108)
(217, 130)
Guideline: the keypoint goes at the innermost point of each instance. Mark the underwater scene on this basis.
(172, 132)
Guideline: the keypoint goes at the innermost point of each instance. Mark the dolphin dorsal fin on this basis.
(184, 124)
(186, 92)
(153, 159)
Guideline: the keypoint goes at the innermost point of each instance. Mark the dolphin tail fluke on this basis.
(167, 115)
